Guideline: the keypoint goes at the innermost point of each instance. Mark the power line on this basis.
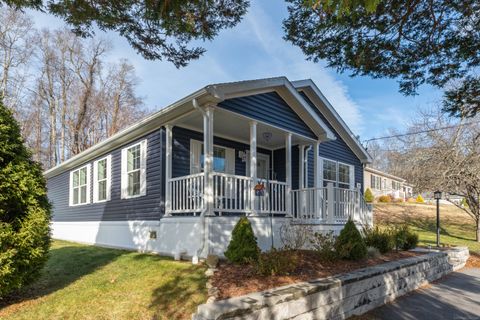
(419, 132)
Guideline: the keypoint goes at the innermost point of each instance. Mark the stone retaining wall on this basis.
(340, 296)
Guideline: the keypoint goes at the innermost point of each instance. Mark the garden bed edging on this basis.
(340, 296)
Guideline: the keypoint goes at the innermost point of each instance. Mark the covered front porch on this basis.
(221, 163)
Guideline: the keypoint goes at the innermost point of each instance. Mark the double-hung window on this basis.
(102, 179)
(338, 173)
(376, 182)
(223, 158)
(80, 186)
(134, 164)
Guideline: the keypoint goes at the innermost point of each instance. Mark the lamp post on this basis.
(437, 195)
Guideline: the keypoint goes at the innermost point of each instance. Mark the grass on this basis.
(87, 282)
(456, 227)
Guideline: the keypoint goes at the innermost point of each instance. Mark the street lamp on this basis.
(437, 195)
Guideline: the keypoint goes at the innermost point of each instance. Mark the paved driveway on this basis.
(455, 297)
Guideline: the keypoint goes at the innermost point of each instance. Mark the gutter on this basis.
(204, 230)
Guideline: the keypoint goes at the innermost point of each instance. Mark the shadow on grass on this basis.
(431, 226)
(179, 296)
(65, 265)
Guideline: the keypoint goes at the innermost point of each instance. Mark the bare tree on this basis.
(444, 154)
(73, 98)
(16, 49)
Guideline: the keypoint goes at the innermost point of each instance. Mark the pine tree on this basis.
(368, 196)
(243, 246)
(24, 210)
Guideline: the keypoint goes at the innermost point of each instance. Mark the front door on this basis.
(263, 166)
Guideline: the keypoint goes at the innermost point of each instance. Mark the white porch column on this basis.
(330, 203)
(317, 178)
(208, 156)
(288, 172)
(253, 165)
(301, 167)
(168, 169)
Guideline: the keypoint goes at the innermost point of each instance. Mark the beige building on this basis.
(382, 183)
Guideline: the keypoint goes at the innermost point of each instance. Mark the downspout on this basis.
(204, 233)
(305, 166)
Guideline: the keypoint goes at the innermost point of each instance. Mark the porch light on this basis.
(438, 195)
(267, 136)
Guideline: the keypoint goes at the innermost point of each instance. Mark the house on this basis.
(176, 182)
(382, 183)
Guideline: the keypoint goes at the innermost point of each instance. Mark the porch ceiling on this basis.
(236, 127)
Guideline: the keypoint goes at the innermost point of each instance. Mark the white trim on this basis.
(317, 97)
(143, 170)
(108, 167)
(87, 197)
(196, 153)
(288, 172)
(261, 156)
(208, 95)
(351, 172)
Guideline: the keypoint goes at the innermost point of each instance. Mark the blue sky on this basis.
(255, 49)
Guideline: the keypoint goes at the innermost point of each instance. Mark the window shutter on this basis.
(95, 181)
(89, 191)
(230, 157)
(143, 167)
(70, 197)
(109, 176)
(124, 180)
(195, 152)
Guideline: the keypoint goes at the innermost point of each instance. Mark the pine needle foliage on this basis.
(24, 210)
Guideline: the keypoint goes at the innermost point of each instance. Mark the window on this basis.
(395, 185)
(80, 186)
(223, 158)
(134, 163)
(219, 159)
(340, 174)
(344, 176)
(376, 182)
(329, 171)
(101, 179)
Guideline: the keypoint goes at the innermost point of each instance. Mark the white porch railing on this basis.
(304, 206)
(232, 194)
(346, 203)
(187, 194)
(274, 199)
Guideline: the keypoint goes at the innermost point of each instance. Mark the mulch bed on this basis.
(236, 280)
(473, 261)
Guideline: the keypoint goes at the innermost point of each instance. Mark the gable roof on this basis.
(384, 174)
(210, 95)
(328, 111)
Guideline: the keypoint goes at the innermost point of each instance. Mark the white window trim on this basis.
(196, 152)
(262, 156)
(95, 179)
(70, 201)
(351, 172)
(143, 171)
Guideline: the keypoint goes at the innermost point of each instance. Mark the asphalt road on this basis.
(454, 297)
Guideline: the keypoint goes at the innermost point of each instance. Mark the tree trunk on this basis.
(477, 233)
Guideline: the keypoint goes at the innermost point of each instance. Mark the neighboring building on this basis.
(164, 186)
(382, 183)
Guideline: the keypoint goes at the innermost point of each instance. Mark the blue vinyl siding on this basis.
(148, 207)
(181, 151)
(269, 108)
(336, 150)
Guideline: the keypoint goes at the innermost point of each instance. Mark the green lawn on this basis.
(87, 282)
(456, 228)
